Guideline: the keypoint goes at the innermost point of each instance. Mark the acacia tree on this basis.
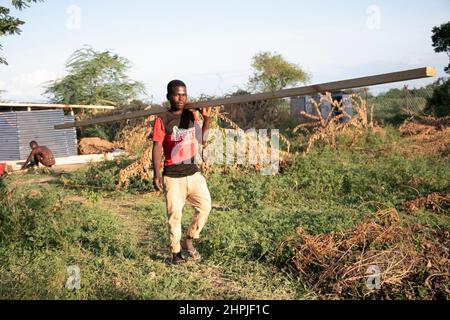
(272, 72)
(95, 78)
(10, 25)
(441, 40)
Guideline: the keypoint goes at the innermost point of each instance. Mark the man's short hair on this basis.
(173, 84)
(33, 143)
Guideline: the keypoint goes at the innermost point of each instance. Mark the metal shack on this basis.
(22, 123)
(305, 104)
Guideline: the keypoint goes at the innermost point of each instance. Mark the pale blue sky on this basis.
(209, 44)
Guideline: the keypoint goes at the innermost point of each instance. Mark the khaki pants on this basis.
(178, 191)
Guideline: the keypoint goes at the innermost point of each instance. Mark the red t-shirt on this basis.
(180, 135)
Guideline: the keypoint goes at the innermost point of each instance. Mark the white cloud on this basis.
(27, 86)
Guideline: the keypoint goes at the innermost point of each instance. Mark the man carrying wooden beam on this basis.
(177, 133)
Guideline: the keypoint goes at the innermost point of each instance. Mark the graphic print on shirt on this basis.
(181, 136)
(185, 147)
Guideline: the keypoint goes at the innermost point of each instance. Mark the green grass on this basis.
(119, 239)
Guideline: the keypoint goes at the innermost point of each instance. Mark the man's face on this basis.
(178, 98)
(33, 146)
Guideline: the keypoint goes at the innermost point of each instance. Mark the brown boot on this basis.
(189, 247)
(178, 259)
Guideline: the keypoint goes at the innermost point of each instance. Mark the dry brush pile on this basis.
(338, 264)
(426, 135)
(436, 202)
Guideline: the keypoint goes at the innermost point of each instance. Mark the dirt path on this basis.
(126, 210)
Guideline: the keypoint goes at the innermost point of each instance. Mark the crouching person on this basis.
(40, 154)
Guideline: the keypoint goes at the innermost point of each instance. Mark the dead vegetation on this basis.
(336, 265)
(141, 169)
(437, 202)
(326, 127)
(426, 136)
(135, 136)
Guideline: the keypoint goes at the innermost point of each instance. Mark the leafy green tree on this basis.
(95, 78)
(441, 40)
(10, 25)
(272, 72)
(439, 104)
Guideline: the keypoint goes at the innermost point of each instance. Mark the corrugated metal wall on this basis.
(71, 137)
(9, 141)
(38, 126)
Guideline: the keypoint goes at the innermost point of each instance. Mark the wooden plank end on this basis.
(430, 72)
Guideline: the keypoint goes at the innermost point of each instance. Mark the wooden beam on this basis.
(324, 87)
(53, 106)
(118, 117)
(301, 91)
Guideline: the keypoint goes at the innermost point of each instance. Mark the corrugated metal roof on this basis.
(37, 126)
